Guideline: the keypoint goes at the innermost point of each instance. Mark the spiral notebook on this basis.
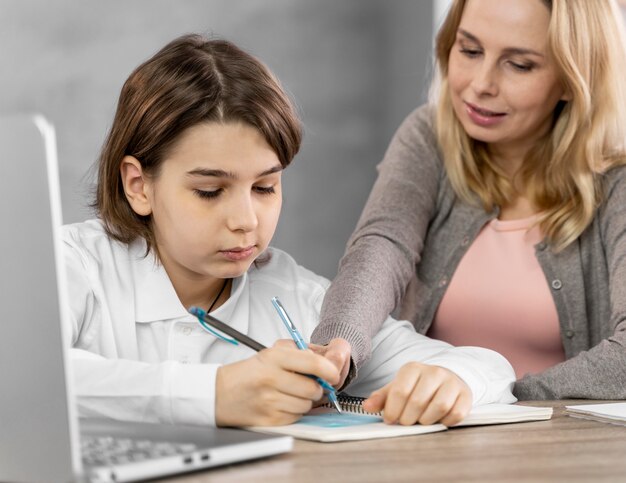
(327, 425)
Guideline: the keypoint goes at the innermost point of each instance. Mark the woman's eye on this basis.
(207, 194)
(522, 67)
(264, 190)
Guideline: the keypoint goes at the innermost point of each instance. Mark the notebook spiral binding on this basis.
(351, 404)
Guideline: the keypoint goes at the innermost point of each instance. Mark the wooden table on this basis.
(562, 449)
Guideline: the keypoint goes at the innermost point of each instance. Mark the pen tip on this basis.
(337, 407)
(333, 399)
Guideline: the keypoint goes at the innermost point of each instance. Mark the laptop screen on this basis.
(35, 440)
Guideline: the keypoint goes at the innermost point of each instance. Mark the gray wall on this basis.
(354, 67)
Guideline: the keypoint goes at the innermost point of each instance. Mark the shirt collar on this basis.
(155, 297)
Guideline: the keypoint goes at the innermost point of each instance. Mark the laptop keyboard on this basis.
(101, 451)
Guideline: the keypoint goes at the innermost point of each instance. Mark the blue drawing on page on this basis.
(335, 420)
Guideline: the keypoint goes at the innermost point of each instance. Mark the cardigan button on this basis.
(443, 282)
(465, 241)
(556, 284)
(569, 333)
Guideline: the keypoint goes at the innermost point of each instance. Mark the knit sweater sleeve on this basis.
(385, 247)
(600, 372)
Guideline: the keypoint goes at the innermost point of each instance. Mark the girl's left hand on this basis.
(422, 393)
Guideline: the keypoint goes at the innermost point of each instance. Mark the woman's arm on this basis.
(488, 374)
(383, 250)
(600, 372)
(427, 380)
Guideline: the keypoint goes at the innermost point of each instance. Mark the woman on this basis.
(499, 214)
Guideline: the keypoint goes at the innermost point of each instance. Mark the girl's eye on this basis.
(207, 194)
(265, 190)
(471, 53)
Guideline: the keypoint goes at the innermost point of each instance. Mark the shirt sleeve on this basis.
(488, 374)
(600, 372)
(386, 245)
(167, 392)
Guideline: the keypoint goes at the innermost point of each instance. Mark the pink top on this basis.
(499, 298)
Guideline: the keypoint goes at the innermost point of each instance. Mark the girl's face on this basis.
(216, 201)
(503, 84)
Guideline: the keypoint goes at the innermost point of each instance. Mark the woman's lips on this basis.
(238, 254)
(483, 117)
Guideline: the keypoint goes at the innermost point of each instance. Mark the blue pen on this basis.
(297, 338)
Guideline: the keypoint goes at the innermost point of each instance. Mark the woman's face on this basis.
(216, 201)
(503, 84)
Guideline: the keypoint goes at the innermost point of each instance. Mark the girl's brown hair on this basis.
(192, 80)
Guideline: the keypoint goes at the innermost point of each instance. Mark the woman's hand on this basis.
(270, 389)
(338, 352)
(424, 394)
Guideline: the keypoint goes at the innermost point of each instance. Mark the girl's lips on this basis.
(238, 254)
(483, 117)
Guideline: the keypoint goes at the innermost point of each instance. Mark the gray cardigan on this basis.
(413, 233)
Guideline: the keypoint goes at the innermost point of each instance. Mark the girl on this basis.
(498, 217)
(188, 198)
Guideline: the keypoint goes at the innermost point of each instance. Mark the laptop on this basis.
(41, 437)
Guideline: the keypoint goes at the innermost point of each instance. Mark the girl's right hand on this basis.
(270, 389)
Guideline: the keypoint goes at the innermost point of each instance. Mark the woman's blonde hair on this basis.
(586, 41)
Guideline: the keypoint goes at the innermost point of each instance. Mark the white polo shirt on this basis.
(137, 354)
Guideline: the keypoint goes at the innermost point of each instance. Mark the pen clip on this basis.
(283, 314)
(295, 335)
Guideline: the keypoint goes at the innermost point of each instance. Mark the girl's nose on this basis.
(242, 215)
